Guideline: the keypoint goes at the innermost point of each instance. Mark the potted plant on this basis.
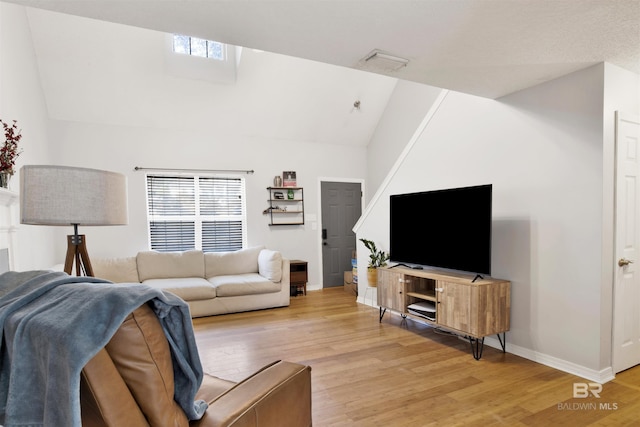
(377, 258)
(9, 152)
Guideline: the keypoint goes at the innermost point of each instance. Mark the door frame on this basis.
(319, 218)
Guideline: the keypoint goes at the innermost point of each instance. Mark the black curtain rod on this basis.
(248, 172)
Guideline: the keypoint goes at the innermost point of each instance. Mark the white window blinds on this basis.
(196, 212)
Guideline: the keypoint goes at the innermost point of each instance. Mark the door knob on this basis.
(622, 262)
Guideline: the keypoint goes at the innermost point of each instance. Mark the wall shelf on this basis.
(286, 206)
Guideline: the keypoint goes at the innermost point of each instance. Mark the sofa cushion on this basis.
(270, 265)
(243, 284)
(117, 270)
(236, 262)
(140, 351)
(167, 265)
(187, 288)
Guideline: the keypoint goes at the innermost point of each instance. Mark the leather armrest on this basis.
(277, 395)
(105, 399)
(212, 388)
(140, 351)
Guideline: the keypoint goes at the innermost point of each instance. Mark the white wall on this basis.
(120, 149)
(100, 72)
(542, 149)
(407, 106)
(21, 99)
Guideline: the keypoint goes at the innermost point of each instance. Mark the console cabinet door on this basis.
(454, 306)
(391, 290)
(476, 310)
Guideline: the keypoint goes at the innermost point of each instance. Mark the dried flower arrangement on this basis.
(9, 151)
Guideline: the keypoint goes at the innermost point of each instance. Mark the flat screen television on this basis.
(448, 229)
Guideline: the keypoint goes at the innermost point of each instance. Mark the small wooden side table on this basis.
(298, 275)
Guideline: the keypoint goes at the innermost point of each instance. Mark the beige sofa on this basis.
(211, 283)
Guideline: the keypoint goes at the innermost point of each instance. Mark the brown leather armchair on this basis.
(130, 383)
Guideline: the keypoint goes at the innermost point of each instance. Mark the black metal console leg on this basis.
(503, 342)
(382, 312)
(404, 319)
(477, 345)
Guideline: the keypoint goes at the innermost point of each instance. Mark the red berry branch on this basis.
(9, 151)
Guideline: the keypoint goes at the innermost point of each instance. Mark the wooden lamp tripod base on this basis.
(77, 251)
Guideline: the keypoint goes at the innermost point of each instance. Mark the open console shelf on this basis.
(458, 303)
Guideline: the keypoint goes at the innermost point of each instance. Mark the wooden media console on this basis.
(468, 306)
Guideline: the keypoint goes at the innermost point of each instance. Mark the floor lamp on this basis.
(62, 195)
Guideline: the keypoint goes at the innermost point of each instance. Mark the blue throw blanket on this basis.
(53, 324)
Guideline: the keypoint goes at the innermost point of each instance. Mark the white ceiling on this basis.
(487, 48)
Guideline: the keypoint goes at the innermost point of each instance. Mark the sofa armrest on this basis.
(277, 395)
(104, 397)
(286, 273)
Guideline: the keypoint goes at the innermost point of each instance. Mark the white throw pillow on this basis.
(270, 265)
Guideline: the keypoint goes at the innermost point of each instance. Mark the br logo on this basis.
(583, 390)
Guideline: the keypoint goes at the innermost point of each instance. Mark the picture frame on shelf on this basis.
(289, 179)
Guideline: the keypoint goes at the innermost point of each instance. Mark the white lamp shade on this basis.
(62, 195)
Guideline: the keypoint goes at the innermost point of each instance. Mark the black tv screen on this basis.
(448, 229)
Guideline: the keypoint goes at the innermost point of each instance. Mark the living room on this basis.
(547, 149)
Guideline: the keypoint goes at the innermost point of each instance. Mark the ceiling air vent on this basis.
(378, 61)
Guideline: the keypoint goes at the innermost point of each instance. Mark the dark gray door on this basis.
(341, 209)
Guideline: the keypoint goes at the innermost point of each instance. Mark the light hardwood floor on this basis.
(395, 373)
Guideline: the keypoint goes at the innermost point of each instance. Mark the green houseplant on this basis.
(377, 258)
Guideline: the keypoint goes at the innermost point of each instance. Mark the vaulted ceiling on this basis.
(486, 48)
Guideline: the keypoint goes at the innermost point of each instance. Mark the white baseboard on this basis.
(360, 300)
(600, 377)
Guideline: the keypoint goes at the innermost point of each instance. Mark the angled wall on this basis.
(408, 105)
(543, 150)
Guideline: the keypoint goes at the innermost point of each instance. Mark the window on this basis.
(199, 47)
(195, 212)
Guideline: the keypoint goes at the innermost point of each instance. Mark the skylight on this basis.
(199, 47)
